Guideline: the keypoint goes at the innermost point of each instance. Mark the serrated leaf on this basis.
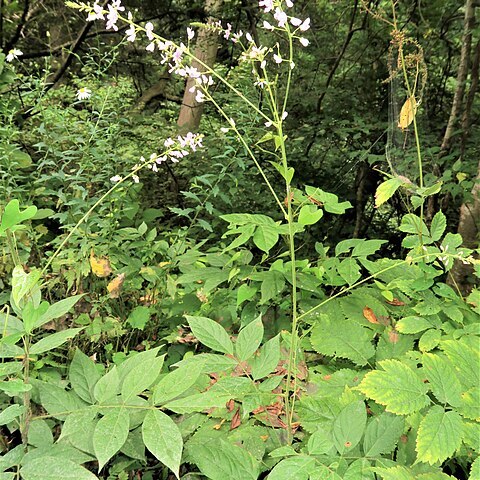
(397, 387)
(470, 404)
(386, 190)
(429, 340)
(83, 375)
(53, 341)
(442, 379)
(54, 468)
(438, 226)
(360, 469)
(465, 360)
(267, 360)
(211, 334)
(439, 435)
(413, 324)
(395, 473)
(163, 438)
(177, 382)
(382, 434)
(349, 270)
(475, 470)
(249, 339)
(349, 426)
(110, 434)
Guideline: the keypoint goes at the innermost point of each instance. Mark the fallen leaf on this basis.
(369, 315)
(115, 286)
(235, 422)
(230, 405)
(100, 265)
(396, 302)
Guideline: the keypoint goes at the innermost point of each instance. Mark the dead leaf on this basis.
(230, 405)
(115, 286)
(100, 265)
(396, 302)
(235, 422)
(407, 113)
(369, 315)
(393, 336)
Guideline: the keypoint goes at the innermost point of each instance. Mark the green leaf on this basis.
(54, 468)
(438, 226)
(83, 375)
(309, 215)
(367, 247)
(220, 460)
(320, 443)
(349, 426)
(382, 434)
(429, 340)
(12, 215)
(465, 360)
(139, 317)
(11, 413)
(266, 237)
(141, 377)
(397, 387)
(267, 360)
(442, 379)
(413, 324)
(470, 404)
(299, 467)
(245, 292)
(211, 334)
(163, 438)
(272, 285)
(249, 339)
(57, 401)
(349, 270)
(23, 159)
(78, 430)
(58, 309)
(110, 434)
(24, 283)
(360, 469)
(386, 190)
(341, 337)
(39, 433)
(395, 473)
(198, 402)
(53, 341)
(439, 435)
(413, 224)
(177, 382)
(107, 386)
(475, 470)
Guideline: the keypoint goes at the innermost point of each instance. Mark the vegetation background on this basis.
(182, 322)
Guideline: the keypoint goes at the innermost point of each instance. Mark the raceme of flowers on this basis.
(176, 150)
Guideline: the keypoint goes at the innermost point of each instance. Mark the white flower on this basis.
(131, 33)
(249, 37)
(268, 26)
(304, 41)
(149, 30)
(292, 65)
(13, 54)
(267, 5)
(289, 3)
(284, 115)
(200, 96)
(277, 58)
(305, 25)
(150, 47)
(190, 33)
(136, 179)
(280, 17)
(224, 129)
(83, 93)
(296, 22)
(116, 178)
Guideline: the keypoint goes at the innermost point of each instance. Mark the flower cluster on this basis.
(176, 149)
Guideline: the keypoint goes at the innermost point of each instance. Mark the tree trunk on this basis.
(206, 51)
(469, 21)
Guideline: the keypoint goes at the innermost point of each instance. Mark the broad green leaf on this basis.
(248, 219)
(272, 285)
(78, 430)
(211, 334)
(413, 224)
(349, 270)
(177, 382)
(349, 426)
(367, 247)
(309, 215)
(360, 469)
(438, 225)
(12, 458)
(54, 468)
(57, 451)
(439, 435)
(107, 386)
(320, 442)
(143, 358)
(470, 404)
(397, 387)
(386, 190)
(140, 378)
(267, 360)
(442, 379)
(413, 324)
(24, 283)
(53, 341)
(83, 375)
(221, 460)
(475, 470)
(110, 434)
(198, 402)
(31, 313)
(299, 467)
(11, 413)
(134, 446)
(139, 317)
(341, 337)
(266, 237)
(12, 215)
(163, 438)
(249, 339)
(395, 473)
(382, 434)
(324, 472)
(245, 292)
(58, 309)
(429, 340)
(39, 433)
(465, 360)
(57, 401)
(9, 368)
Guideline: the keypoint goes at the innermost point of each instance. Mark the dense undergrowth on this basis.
(162, 325)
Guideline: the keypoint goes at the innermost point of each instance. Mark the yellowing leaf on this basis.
(115, 286)
(407, 113)
(100, 266)
(369, 314)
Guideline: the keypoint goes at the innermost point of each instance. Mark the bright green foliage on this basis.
(382, 434)
(294, 467)
(52, 468)
(439, 435)
(442, 379)
(396, 386)
(349, 426)
(249, 339)
(211, 334)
